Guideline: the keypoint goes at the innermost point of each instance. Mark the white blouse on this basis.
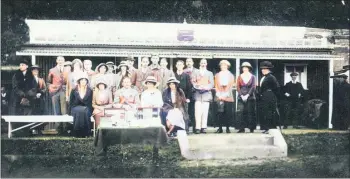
(151, 98)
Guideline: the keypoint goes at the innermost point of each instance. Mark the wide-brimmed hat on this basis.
(114, 67)
(97, 69)
(172, 80)
(24, 61)
(101, 81)
(266, 64)
(151, 79)
(225, 62)
(81, 76)
(294, 74)
(67, 63)
(123, 63)
(246, 64)
(35, 67)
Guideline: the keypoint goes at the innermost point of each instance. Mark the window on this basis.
(301, 69)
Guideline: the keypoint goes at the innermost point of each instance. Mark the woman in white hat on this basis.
(77, 70)
(151, 97)
(80, 106)
(174, 97)
(224, 82)
(246, 112)
(124, 71)
(101, 71)
(102, 98)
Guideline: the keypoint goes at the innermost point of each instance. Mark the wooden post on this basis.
(330, 94)
(139, 62)
(33, 60)
(238, 63)
(257, 71)
(171, 64)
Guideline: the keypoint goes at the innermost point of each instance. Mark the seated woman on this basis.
(102, 99)
(126, 97)
(151, 97)
(175, 121)
(80, 106)
(172, 96)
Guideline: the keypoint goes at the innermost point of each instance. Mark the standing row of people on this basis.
(73, 84)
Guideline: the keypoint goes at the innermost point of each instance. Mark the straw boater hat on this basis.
(101, 81)
(123, 63)
(225, 62)
(82, 76)
(112, 64)
(97, 69)
(294, 74)
(266, 65)
(246, 64)
(35, 67)
(151, 79)
(172, 80)
(67, 63)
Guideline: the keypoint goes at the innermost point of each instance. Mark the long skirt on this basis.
(246, 114)
(268, 111)
(81, 121)
(225, 115)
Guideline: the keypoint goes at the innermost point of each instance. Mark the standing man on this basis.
(189, 71)
(165, 74)
(154, 68)
(22, 83)
(111, 76)
(56, 82)
(293, 91)
(203, 83)
(140, 75)
(268, 94)
(87, 64)
(131, 61)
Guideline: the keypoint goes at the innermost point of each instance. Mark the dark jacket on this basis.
(185, 84)
(270, 84)
(22, 86)
(75, 99)
(180, 99)
(294, 90)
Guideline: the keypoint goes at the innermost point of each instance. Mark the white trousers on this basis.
(201, 114)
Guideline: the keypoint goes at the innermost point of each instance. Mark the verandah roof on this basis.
(71, 32)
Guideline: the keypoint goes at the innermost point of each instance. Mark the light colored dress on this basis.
(151, 98)
(101, 99)
(175, 117)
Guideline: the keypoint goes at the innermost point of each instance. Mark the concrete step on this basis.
(230, 139)
(236, 152)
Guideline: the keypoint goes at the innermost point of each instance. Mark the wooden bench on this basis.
(36, 120)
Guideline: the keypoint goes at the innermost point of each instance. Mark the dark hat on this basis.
(294, 74)
(266, 64)
(24, 61)
(346, 67)
(35, 67)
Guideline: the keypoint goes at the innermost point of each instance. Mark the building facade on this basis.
(313, 53)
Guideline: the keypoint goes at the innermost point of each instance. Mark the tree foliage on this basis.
(331, 14)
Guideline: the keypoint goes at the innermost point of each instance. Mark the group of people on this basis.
(182, 96)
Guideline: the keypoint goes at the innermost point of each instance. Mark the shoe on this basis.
(251, 130)
(197, 131)
(228, 131)
(265, 132)
(241, 131)
(203, 131)
(219, 131)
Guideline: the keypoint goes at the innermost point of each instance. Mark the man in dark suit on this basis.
(293, 91)
(269, 93)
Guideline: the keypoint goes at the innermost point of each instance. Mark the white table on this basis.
(33, 121)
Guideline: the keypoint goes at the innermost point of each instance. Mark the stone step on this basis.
(231, 139)
(236, 152)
